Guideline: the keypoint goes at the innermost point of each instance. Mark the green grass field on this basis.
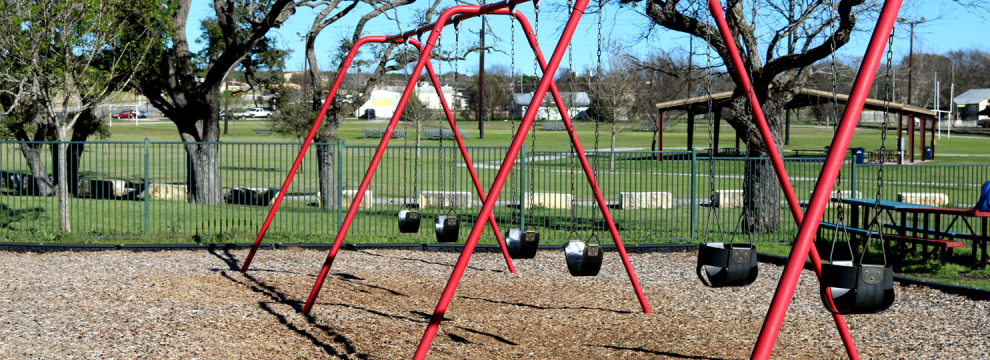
(251, 160)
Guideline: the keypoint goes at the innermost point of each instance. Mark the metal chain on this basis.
(512, 73)
(840, 211)
(883, 152)
(570, 68)
(712, 210)
(443, 188)
(532, 148)
(598, 74)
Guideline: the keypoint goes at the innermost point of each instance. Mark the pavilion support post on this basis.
(900, 138)
(933, 140)
(660, 135)
(910, 130)
(922, 120)
(717, 122)
(690, 130)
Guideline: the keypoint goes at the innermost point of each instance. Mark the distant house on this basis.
(428, 95)
(973, 104)
(576, 102)
(384, 100)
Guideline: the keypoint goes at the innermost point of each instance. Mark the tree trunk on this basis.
(61, 183)
(761, 189)
(72, 161)
(42, 184)
(326, 161)
(202, 151)
(762, 197)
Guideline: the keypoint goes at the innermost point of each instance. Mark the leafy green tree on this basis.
(82, 52)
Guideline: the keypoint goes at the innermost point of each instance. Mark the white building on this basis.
(973, 102)
(576, 102)
(384, 101)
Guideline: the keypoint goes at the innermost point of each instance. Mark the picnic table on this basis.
(926, 227)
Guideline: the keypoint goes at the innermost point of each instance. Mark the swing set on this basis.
(846, 287)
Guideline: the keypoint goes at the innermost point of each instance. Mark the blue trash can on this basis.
(928, 153)
(860, 154)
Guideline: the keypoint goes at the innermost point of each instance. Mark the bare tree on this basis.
(613, 92)
(778, 69)
(357, 88)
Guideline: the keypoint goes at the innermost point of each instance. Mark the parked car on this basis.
(255, 112)
(131, 114)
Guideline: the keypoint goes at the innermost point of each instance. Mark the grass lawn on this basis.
(498, 133)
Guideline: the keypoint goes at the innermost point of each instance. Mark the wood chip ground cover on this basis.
(194, 304)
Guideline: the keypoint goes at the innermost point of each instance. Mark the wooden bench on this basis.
(262, 132)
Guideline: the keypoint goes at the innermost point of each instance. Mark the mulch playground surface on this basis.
(196, 305)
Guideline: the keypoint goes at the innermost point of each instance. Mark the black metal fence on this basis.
(138, 190)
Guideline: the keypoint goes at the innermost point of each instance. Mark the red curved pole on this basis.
(316, 124)
(503, 172)
(775, 159)
(826, 180)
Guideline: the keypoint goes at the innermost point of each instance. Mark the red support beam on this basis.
(826, 181)
(778, 163)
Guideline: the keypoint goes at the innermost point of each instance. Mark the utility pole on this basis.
(911, 23)
(790, 42)
(481, 83)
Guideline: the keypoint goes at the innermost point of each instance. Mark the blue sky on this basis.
(956, 28)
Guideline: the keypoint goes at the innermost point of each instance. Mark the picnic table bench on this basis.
(262, 132)
(923, 230)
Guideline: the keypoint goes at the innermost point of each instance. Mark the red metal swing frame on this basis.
(316, 125)
(447, 17)
(801, 248)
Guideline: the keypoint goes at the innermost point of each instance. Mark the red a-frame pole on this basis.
(316, 124)
(500, 178)
(778, 164)
(826, 180)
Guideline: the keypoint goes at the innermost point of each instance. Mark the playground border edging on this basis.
(25, 247)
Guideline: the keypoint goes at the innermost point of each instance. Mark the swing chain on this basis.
(840, 208)
(883, 148)
(712, 210)
(598, 74)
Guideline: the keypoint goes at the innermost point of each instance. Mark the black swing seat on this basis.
(409, 221)
(583, 259)
(522, 244)
(726, 266)
(848, 288)
(447, 228)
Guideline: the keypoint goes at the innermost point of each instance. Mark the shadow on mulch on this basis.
(546, 307)
(659, 353)
(277, 296)
(425, 261)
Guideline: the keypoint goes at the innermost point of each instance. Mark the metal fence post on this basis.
(147, 191)
(694, 189)
(340, 187)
